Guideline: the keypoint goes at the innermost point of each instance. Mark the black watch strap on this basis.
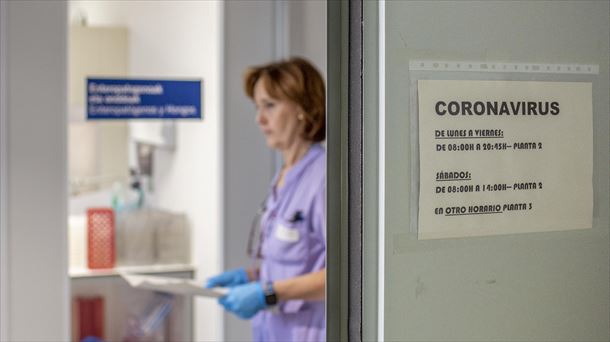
(270, 296)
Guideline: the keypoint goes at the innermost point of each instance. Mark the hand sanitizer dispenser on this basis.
(157, 133)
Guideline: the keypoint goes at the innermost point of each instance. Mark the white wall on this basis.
(181, 39)
(307, 27)
(35, 305)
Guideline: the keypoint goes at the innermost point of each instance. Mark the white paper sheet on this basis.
(526, 166)
(172, 285)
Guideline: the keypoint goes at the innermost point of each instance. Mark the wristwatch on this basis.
(270, 296)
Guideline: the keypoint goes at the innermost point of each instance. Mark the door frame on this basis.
(4, 298)
(352, 233)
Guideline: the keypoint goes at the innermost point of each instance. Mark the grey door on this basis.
(528, 281)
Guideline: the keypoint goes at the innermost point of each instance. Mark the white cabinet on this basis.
(97, 151)
(123, 303)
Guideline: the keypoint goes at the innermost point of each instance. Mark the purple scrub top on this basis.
(294, 243)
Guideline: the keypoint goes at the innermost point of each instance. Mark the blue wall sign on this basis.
(111, 98)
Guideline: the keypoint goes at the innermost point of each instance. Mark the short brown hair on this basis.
(296, 80)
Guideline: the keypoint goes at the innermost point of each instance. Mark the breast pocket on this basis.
(288, 242)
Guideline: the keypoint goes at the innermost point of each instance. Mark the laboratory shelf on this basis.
(76, 273)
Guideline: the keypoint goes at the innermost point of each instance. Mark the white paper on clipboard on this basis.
(172, 285)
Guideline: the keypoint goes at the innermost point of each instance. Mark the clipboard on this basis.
(180, 286)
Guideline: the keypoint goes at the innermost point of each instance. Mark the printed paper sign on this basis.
(504, 157)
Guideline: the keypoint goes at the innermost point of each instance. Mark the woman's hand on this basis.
(244, 300)
(230, 278)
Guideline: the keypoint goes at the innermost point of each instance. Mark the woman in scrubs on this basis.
(284, 295)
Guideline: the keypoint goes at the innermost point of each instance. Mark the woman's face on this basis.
(277, 119)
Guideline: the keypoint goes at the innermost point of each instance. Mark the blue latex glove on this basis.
(244, 300)
(92, 339)
(230, 278)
